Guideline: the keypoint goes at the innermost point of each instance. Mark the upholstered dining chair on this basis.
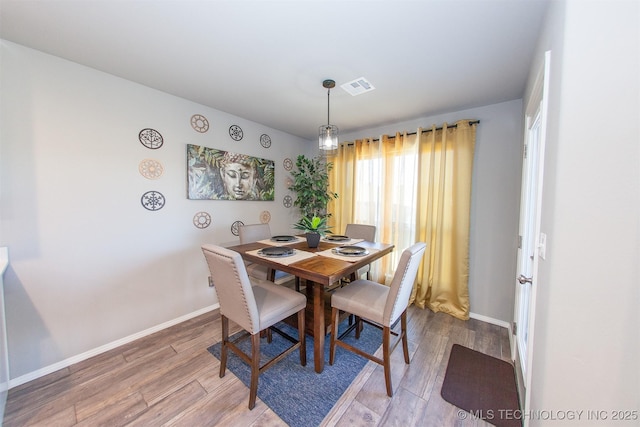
(255, 305)
(361, 231)
(380, 306)
(252, 233)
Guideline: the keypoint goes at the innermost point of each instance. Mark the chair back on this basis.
(361, 231)
(232, 284)
(402, 283)
(254, 232)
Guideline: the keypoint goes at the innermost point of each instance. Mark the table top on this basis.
(320, 269)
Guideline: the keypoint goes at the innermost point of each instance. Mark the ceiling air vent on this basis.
(358, 86)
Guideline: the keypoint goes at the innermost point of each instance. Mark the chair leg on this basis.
(359, 326)
(297, 283)
(302, 338)
(334, 334)
(386, 358)
(255, 369)
(223, 346)
(403, 331)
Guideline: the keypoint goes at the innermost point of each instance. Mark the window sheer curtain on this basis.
(413, 187)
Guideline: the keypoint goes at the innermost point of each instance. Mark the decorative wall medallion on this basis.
(235, 132)
(288, 182)
(199, 123)
(151, 169)
(265, 140)
(265, 217)
(235, 227)
(287, 201)
(152, 200)
(202, 220)
(150, 138)
(288, 164)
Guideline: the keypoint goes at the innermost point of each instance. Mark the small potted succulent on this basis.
(314, 227)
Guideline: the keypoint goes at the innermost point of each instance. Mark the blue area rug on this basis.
(299, 395)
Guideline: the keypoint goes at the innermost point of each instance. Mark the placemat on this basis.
(297, 256)
(329, 254)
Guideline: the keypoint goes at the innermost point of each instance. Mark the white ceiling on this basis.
(265, 60)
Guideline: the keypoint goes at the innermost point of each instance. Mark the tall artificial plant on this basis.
(311, 185)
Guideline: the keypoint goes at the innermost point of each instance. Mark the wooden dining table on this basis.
(320, 272)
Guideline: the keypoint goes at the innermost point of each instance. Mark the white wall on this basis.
(586, 345)
(89, 265)
(495, 201)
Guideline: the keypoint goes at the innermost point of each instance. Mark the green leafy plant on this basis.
(310, 183)
(314, 224)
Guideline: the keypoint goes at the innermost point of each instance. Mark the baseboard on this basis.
(96, 351)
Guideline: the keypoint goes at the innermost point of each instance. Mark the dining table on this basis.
(322, 268)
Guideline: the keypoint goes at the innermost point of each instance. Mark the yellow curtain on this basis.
(413, 187)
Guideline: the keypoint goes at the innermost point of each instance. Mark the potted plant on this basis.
(310, 183)
(314, 227)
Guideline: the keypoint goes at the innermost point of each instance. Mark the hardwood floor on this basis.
(169, 378)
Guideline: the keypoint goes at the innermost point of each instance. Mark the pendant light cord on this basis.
(328, 101)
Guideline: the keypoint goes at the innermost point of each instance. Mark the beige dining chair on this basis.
(252, 233)
(380, 306)
(256, 306)
(361, 231)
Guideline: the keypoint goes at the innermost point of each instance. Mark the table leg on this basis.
(318, 326)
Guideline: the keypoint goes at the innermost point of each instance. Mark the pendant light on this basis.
(328, 134)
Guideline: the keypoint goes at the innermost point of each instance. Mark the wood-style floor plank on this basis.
(170, 379)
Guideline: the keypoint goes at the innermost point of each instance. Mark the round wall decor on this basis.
(152, 200)
(235, 227)
(150, 138)
(265, 140)
(199, 123)
(287, 201)
(288, 164)
(202, 220)
(265, 217)
(151, 169)
(235, 132)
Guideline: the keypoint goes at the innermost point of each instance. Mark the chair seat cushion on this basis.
(281, 275)
(363, 298)
(275, 302)
(257, 271)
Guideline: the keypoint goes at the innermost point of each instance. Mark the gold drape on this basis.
(413, 188)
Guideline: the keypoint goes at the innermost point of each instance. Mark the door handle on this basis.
(524, 280)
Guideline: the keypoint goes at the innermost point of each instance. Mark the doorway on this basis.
(532, 242)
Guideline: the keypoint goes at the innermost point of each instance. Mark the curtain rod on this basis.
(471, 122)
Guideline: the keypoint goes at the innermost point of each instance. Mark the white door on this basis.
(532, 245)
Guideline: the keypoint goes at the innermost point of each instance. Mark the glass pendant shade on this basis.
(328, 138)
(328, 134)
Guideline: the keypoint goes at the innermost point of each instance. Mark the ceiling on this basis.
(265, 60)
